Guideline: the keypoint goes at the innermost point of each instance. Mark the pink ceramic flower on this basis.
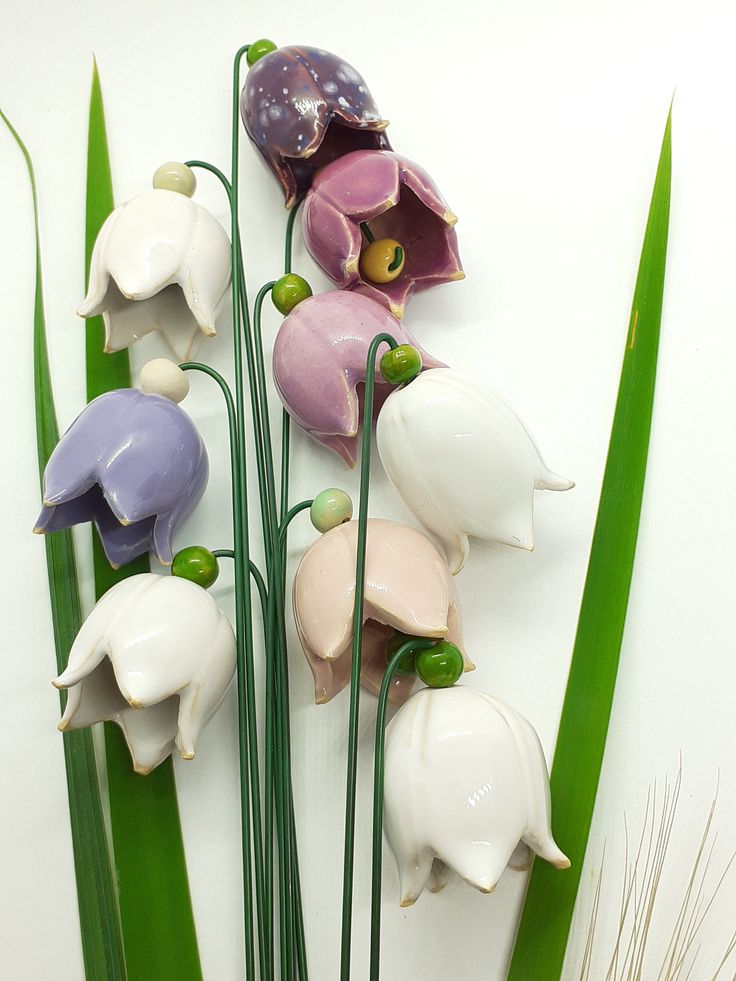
(397, 200)
(319, 361)
(408, 589)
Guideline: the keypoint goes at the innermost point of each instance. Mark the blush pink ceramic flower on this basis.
(319, 362)
(381, 195)
(408, 589)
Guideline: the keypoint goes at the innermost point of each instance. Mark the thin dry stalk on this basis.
(641, 913)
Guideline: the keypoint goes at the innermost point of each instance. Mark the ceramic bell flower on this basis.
(319, 360)
(377, 223)
(161, 262)
(304, 107)
(156, 656)
(133, 463)
(408, 589)
(466, 789)
(490, 465)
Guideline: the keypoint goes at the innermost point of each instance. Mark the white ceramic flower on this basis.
(466, 788)
(463, 462)
(155, 655)
(160, 262)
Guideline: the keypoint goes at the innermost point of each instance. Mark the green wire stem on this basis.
(290, 515)
(354, 712)
(378, 774)
(241, 589)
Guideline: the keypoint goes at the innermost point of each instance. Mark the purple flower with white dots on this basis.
(303, 108)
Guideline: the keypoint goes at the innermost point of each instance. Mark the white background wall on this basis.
(542, 125)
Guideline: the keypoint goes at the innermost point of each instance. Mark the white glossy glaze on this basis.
(463, 462)
(466, 789)
(160, 262)
(155, 655)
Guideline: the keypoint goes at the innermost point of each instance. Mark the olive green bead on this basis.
(258, 49)
(400, 364)
(440, 666)
(173, 176)
(407, 664)
(330, 508)
(288, 291)
(197, 564)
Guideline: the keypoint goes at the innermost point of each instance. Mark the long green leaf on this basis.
(155, 905)
(98, 915)
(545, 924)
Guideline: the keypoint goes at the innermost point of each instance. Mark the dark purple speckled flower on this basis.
(135, 465)
(397, 200)
(303, 108)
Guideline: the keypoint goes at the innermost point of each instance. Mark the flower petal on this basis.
(319, 363)
(99, 275)
(465, 782)
(491, 465)
(408, 588)
(150, 242)
(303, 107)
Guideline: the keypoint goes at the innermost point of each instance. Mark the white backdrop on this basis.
(542, 125)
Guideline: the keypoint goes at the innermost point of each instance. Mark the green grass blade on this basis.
(155, 905)
(545, 924)
(98, 916)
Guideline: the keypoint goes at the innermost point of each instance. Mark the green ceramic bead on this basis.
(288, 291)
(258, 49)
(197, 564)
(173, 176)
(330, 508)
(407, 664)
(440, 666)
(401, 364)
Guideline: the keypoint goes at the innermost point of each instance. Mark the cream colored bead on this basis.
(163, 377)
(174, 176)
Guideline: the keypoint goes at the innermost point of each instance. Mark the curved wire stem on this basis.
(378, 774)
(289, 517)
(354, 712)
(244, 643)
(257, 828)
(255, 573)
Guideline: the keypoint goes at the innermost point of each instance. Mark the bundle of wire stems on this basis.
(270, 804)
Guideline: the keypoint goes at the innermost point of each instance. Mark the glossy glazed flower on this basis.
(304, 107)
(156, 656)
(399, 201)
(161, 262)
(466, 788)
(319, 360)
(133, 463)
(490, 465)
(408, 589)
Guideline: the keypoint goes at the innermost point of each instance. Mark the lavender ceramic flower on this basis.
(303, 108)
(135, 465)
(319, 360)
(397, 200)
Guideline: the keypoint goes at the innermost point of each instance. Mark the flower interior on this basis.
(421, 233)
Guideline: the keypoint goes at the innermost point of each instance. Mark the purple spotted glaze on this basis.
(399, 200)
(319, 360)
(303, 108)
(135, 465)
